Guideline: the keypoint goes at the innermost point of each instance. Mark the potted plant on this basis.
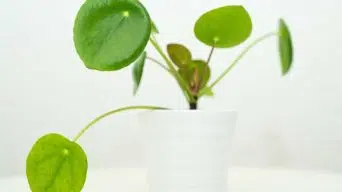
(186, 150)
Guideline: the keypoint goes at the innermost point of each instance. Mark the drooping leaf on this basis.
(56, 164)
(207, 91)
(179, 54)
(285, 47)
(111, 34)
(154, 28)
(224, 27)
(138, 70)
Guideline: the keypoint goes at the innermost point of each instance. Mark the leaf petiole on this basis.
(239, 57)
(93, 122)
(210, 55)
(159, 63)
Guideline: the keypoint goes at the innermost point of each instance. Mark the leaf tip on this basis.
(138, 70)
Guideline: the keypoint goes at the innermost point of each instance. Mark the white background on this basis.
(289, 122)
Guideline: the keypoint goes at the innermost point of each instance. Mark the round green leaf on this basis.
(224, 27)
(111, 34)
(56, 164)
(179, 54)
(285, 47)
(138, 70)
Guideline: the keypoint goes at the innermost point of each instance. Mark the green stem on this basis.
(242, 54)
(93, 122)
(181, 82)
(207, 68)
(159, 63)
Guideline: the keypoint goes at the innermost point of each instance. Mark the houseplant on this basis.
(110, 35)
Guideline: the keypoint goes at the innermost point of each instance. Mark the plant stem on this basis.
(159, 63)
(194, 105)
(242, 54)
(181, 82)
(210, 55)
(208, 61)
(93, 122)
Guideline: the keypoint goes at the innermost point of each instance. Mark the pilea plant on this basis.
(110, 35)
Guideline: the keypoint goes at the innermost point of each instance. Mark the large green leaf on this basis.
(56, 164)
(179, 54)
(285, 47)
(224, 27)
(138, 70)
(111, 34)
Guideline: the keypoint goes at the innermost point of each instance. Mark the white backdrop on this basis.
(293, 121)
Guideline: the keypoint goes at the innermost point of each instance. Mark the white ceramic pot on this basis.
(187, 151)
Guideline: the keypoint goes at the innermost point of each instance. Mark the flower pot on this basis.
(187, 151)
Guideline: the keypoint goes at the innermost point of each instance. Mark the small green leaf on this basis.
(224, 27)
(111, 34)
(179, 54)
(285, 47)
(207, 91)
(196, 75)
(186, 74)
(138, 70)
(56, 164)
(204, 72)
(154, 28)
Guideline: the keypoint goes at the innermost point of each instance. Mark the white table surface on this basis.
(240, 180)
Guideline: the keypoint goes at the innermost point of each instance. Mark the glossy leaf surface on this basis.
(111, 34)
